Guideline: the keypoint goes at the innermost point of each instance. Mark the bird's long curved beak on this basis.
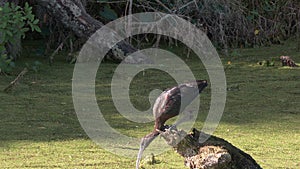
(139, 156)
(143, 145)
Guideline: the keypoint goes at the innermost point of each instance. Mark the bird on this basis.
(169, 104)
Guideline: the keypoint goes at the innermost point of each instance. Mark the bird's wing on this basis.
(168, 101)
(174, 97)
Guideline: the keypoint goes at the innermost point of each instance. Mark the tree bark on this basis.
(214, 153)
(72, 14)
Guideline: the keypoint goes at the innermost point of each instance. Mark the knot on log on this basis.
(209, 157)
(214, 153)
(172, 136)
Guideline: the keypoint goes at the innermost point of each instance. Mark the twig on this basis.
(15, 82)
(156, 45)
(129, 23)
(185, 5)
(164, 6)
(188, 52)
(195, 1)
(109, 2)
(51, 58)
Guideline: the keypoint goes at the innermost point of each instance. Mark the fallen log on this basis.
(214, 153)
(73, 16)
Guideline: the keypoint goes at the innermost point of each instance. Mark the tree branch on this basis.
(72, 15)
(15, 82)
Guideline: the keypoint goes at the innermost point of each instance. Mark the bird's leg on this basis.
(164, 127)
(173, 127)
(144, 144)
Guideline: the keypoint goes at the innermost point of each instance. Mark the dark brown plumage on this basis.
(169, 104)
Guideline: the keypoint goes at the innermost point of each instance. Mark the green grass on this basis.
(39, 127)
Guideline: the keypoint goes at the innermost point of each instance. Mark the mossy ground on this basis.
(39, 127)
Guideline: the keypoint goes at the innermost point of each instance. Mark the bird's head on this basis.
(201, 84)
(192, 89)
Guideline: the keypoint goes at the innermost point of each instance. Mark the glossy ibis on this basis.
(170, 103)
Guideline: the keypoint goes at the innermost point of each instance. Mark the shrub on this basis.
(15, 21)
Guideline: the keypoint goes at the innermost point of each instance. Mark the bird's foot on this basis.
(166, 127)
(162, 129)
(172, 127)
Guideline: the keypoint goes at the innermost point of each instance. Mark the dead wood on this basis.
(214, 153)
(15, 82)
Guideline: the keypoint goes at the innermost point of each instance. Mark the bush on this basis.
(15, 21)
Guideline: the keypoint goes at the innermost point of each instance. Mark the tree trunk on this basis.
(72, 14)
(214, 153)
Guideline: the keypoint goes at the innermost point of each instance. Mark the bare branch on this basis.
(15, 82)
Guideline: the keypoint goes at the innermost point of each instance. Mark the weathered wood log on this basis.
(214, 153)
(72, 14)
